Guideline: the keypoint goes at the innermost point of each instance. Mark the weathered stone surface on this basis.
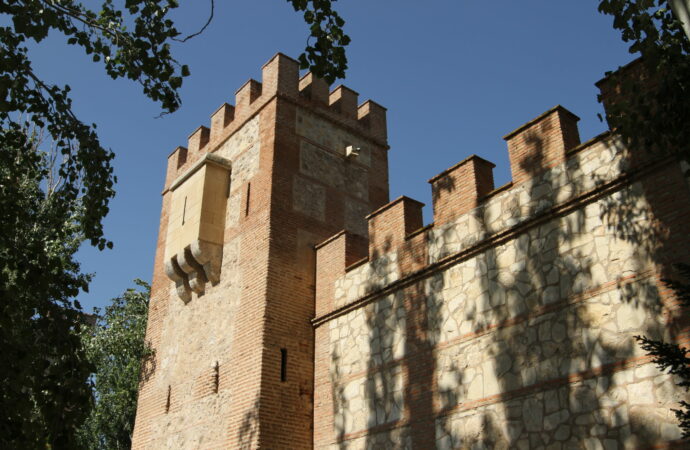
(309, 198)
(355, 213)
(641, 393)
(240, 141)
(331, 137)
(244, 167)
(328, 167)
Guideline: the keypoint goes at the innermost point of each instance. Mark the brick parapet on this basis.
(333, 257)
(572, 192)
(459, 189)
(542, 143)
(390, 224)
(585, 311)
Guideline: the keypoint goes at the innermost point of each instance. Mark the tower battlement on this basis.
(280, 77)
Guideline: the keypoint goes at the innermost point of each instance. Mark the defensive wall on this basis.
(508, 322)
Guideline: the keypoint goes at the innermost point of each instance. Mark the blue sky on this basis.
(455, 76)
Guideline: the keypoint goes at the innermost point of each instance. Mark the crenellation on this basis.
(460, 189)
(333, 258)
(245, 96)
(176, 160)
(390, 224)
(198, 140)
(343, 100)
(542, 143)
(314, 88)
(280, 75)
(614, 86)
(372, 117)
(220, 120)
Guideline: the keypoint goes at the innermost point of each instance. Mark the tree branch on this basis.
(208, 22)
(75, 14)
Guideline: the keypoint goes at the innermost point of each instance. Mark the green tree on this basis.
(52, 201)
(651, 113)
(116, 348)
(43, 376)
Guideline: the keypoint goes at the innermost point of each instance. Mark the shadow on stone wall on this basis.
(248, 432)
(532, 370)
(148, 365)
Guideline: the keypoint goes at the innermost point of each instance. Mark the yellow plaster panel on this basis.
(198, 209)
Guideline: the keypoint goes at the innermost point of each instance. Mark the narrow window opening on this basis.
(227, 192)
(216, 377)
(184, 210)
(249, 191)
(283, 364)
(167, 402)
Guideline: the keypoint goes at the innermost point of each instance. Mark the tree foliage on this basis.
(326, 55)
(116, 348)
(43, 373)
(653, 112)
(53, 200)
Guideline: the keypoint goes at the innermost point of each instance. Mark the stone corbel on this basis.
(210, 257)
(175, 273)
(191, 269)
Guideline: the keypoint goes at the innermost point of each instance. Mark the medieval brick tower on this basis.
(233, 287)
(294, 307)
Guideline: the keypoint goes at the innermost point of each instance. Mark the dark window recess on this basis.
(246, 206)
(216, 377)
(167, 402)
(184, 210)
(227, 193)
(283, 364)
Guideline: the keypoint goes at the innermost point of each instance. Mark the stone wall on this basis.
(192, 344)
(512, 324)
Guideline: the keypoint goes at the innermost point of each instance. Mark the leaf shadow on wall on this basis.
(249, 430)
(528, 346)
